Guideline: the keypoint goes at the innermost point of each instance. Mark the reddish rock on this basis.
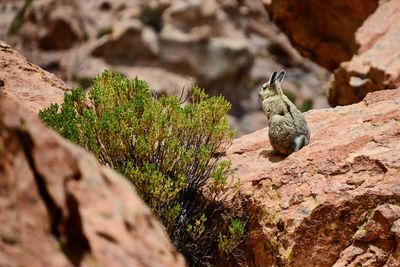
(26, 83)
(306, 209)
(349, 37)
(374, 241)
(60, 207)
(376, 65)
(322, 30)
(394, 259)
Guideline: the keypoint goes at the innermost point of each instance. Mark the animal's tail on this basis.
(299, 142)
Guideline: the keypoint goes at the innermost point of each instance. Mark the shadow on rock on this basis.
(271, 155)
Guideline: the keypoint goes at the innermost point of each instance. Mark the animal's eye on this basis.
(264, 87)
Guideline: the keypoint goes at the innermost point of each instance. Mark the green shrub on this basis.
(227, 244)
(171, 152)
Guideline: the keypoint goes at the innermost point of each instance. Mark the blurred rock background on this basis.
(229, 47)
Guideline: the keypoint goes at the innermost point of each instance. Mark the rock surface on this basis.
(334, 202)
(26, 83)
(59, 207)
(376, 65)
(221, 71)
(129, 42)
(376, 242)
(322, 30)
(349, 37)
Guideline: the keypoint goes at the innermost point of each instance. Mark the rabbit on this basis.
(288, 130)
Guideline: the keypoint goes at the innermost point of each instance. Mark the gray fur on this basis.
(288, 130)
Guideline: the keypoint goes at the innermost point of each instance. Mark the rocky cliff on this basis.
(358, 40)
(336, 202)
(376, 65)
(322, 30)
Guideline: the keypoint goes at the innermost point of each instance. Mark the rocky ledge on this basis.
(336, 201)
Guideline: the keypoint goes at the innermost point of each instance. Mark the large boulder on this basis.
(26, 83)
(60, 207)
(376, 65)
(322, 30)
(334, 202)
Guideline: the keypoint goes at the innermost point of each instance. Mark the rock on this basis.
(161, 81)
(394, 259)
(305, 209)
(211, 49)
(349, 37)
(376, 65)
(187, 15)
(374, 241)
(248, 123)
(129, 43)
(9, 13)
(26, 83)
(52, 25)
(151, 12)
(322, 30)
(60, 207)
(104, 14)
(82, 68)
(222, 71)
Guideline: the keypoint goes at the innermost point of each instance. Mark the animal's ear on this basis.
(281, 75)
(273, 78)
